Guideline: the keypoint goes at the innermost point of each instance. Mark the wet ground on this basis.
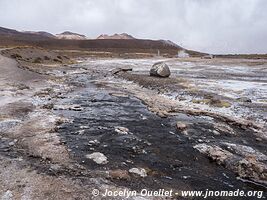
(152, 143)
(233, 80)
(51, 125)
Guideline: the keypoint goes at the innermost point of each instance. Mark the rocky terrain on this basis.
(70, 125)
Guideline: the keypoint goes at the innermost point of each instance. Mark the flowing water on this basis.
(153, 143)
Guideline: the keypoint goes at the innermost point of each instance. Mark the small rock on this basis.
(258, 139)
(139, 171)
(11, 143)
(93, 142)
(167, 177)
(7, 195)
(119, 174)
(20, 159)
(84, 127)
(81, 132)
(122, 130)
(181, 126)
(143, 117)
(148, 143)
(160, 69)
(171, 132)
(98, 157)
(216, 132)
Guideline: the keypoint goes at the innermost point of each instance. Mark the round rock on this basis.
(181, 126)
(160, 69)
(98, 157)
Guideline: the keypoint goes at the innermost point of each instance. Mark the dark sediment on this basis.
(153, 143)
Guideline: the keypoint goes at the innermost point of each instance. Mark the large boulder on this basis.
(160, 69)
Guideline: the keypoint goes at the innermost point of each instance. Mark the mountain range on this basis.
(67, 35)
(67, 40)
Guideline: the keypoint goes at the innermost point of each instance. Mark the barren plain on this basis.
(71, 125)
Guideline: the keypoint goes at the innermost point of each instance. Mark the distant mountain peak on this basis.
(116, 36)
(71, 33)
(41, 33)
(71, 36)
(35, 34)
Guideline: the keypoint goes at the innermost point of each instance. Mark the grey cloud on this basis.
(216, 26)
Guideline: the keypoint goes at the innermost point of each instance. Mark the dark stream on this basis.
(154, 143)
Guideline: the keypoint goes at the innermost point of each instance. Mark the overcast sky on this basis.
(215, 26)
